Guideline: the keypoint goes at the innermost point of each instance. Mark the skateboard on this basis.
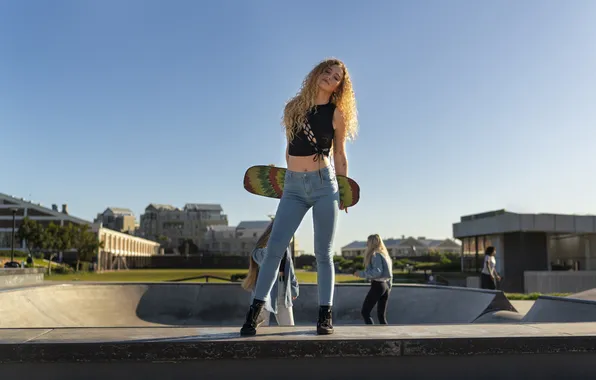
(268, 181)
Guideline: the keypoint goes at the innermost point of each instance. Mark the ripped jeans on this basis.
(304, 190)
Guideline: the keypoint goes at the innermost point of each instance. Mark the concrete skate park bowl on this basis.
(153, 304)
(579, 307)
(165, 330)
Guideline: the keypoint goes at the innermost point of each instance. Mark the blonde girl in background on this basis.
(284, 290)
(378, 268)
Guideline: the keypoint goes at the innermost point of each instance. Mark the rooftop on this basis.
(254, 224)
(120, 211)
(502, 221)
(202, 207)
(21, 202)
(159, 206)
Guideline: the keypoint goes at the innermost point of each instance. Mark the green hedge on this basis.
(532, 296)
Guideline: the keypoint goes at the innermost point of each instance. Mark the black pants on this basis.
(377, 295)
(487, 282)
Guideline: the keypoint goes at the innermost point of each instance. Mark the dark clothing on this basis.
(487, 282)
(282, 264)
(377, 295)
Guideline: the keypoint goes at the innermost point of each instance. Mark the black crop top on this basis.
(317, 135)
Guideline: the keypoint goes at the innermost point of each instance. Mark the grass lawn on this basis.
(36, 261)
(151, 275)
(158, 275)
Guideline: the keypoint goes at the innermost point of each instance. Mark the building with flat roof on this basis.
(533, 250)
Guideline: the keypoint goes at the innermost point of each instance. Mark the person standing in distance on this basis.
(489, 276)
(378, 268)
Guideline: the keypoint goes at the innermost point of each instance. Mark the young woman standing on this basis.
(378, 268)
(489, 276)
(317, 121)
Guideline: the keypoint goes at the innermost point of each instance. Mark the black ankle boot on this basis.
(250, 325)
(324, 325)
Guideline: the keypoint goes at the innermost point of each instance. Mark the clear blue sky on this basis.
(465, 106)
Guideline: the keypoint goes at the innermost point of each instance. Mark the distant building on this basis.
(120, 249)
(173, 227)
(123, 251)
(234, 241)
(117, 219)
(543, 253)
(35, 211)
(405, 247)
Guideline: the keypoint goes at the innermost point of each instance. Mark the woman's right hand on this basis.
(341, 206)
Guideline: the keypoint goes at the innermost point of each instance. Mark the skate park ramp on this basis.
(579, 307)
(587, 295)
(176, 304)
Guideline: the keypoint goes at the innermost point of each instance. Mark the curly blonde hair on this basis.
(297, 108)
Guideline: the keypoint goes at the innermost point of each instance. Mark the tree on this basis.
(86, 243)
(162, 240)
(65, 237)
(51, 239)
(62, 241)
(188, 247)
(33, 234)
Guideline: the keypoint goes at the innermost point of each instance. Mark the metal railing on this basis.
(205, 276)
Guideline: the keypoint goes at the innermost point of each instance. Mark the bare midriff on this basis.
(307, 163)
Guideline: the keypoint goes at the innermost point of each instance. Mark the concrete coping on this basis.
(567, 299)
(168, 283)
(17, 271)
(217, 343)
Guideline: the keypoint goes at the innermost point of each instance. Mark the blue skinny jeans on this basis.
(303, 190)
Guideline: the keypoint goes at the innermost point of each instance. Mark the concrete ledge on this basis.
(552, 351)
(13, 271)
(559, 281)
(13, 277)
(561, 309)
(540, 366)
(199, 344)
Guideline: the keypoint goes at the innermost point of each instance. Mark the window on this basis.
(6, 238)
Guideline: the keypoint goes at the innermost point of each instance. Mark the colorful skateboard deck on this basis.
(268, 181)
